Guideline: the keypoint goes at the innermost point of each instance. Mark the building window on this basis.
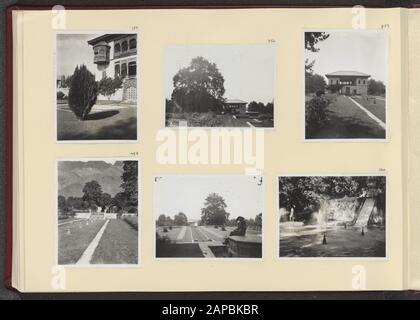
(117, 48)
(364, 81)
(102, 51)
(123, 70)
(117, 71)
(133, 44)
(132, 68)
(124, 46)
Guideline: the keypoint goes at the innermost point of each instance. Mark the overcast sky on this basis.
(186, 193)
(73, 50)
(363, 51)
(248, 70)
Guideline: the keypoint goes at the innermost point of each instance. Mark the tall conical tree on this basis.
(83, 92)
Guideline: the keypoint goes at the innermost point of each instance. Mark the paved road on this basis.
(196, 234)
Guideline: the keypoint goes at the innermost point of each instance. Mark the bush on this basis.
(315, 112)
(83, 92)
(61, 95)
(132, 221)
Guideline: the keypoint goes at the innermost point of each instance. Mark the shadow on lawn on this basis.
(125, 129)
(102, 115)
(338, 127)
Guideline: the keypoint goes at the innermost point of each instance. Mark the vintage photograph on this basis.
(98, 212)
(332, 216)
(220, 85)
(345, 84)
(96, 86)
(208, 216)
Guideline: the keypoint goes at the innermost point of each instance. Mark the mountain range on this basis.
(73, 175)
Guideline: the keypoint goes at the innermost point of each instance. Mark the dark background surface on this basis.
(6, 294)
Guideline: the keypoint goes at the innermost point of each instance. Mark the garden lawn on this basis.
(347, 121)
(118, 245)
(119, 123)
(376, 106)
(71, 246)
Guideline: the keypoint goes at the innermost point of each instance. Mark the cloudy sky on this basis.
(186, 193)
(363, 51)
(73, 50)
(248, 70)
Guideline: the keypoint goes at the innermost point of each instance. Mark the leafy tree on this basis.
(313, 38)
(130, 182)
(62, 204)
(83, 92)
(258, 221)
(105, 200)
(169, 221)
(304, 193)
(214, 211)
(253, 106)
(314, 83)
(180, 219)
(199, 87)
(376, 87)
(92, 193)
(107, 86)
(119, 201)
(269, 108)
(75, 203)
(161, 221)
(334, 88)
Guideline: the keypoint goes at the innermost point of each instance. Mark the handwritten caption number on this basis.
(134, 28)
(134, 154)
(271, 41)
(385, 26)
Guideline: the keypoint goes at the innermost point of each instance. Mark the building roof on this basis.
(347, 74)
(235, 101)
(107, 38)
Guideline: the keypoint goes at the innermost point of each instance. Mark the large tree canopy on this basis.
(303, 193)
(180, 219)
(199, 87)
(312, 39)
(92, 193)
(214, 212)
(376, 87)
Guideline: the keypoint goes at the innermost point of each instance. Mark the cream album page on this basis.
(210, 150)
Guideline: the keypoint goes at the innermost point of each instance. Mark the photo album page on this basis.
(215, 149)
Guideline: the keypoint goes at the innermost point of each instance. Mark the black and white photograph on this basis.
(220, 85)
(332, 216)
(345, 84)
(96, 87)
(98, 212)
(208, 216)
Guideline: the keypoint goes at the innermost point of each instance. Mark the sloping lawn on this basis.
(71, 246)
(376, 106)
(118, 245)
(347, 121)
(112, 124)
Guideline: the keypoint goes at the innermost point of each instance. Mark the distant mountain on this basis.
(73, 175)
